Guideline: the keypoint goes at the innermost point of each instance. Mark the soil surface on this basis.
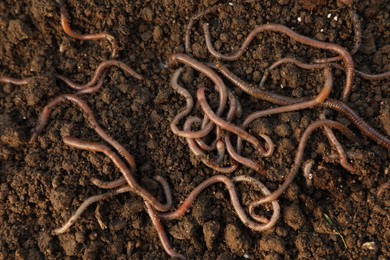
(43, 183)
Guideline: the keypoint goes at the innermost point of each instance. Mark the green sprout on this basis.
(336, 230)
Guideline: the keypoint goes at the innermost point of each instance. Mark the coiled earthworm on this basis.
(226, 125)
(219, 84)
(265, 191)
(200, 154)
(333, 140)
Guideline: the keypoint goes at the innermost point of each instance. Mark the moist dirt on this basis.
(43, 183)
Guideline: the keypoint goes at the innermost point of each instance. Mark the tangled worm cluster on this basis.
(218, 141)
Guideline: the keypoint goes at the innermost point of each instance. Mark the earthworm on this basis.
(95, 88)
(120, 181)
(87, 87)
(186, 204)
(319, 99)
(300, 64)
(235, 109)
(226, 125)
(293, 61)
(194, 19)
(199, 153)
(221, 151)
(241, 159)
(349, 64)
(365, 128)
(333, 140)
(219, 84)
(110, 184)
(44, 118)
(364, 75)
(131, 181)
(161, 232)
(335, 105)
(84, 37)
(299, 156)
(16, 81)
(189, 100)
(265, 191)
(357, 38)
(254, 91)
(84, 205)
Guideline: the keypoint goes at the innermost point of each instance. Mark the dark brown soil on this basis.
(42, 184)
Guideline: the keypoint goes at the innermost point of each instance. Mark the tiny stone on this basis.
(210, 233)
(283, 2)
(146, 36)
(294, 217)
(273, 243)
(93, 236)
(224, 37)
(320, 36)
(236, 239)
(157, 33)
(147, 14)
(283, 130)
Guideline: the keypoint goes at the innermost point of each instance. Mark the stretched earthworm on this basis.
(357, 38)
(44, 118)
(364, 75)
(110, 184)
(186, 204)
(254, 91)
(303, 65)
(161, 232)
(299, 156)
(194, 19)
(84, 37)
(349, 64)
(98, 75)
(127, 174)
(84, 205)
(365, 128)
(293, 61)
(16, 81)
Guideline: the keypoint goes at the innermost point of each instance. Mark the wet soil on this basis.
(42, 184)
